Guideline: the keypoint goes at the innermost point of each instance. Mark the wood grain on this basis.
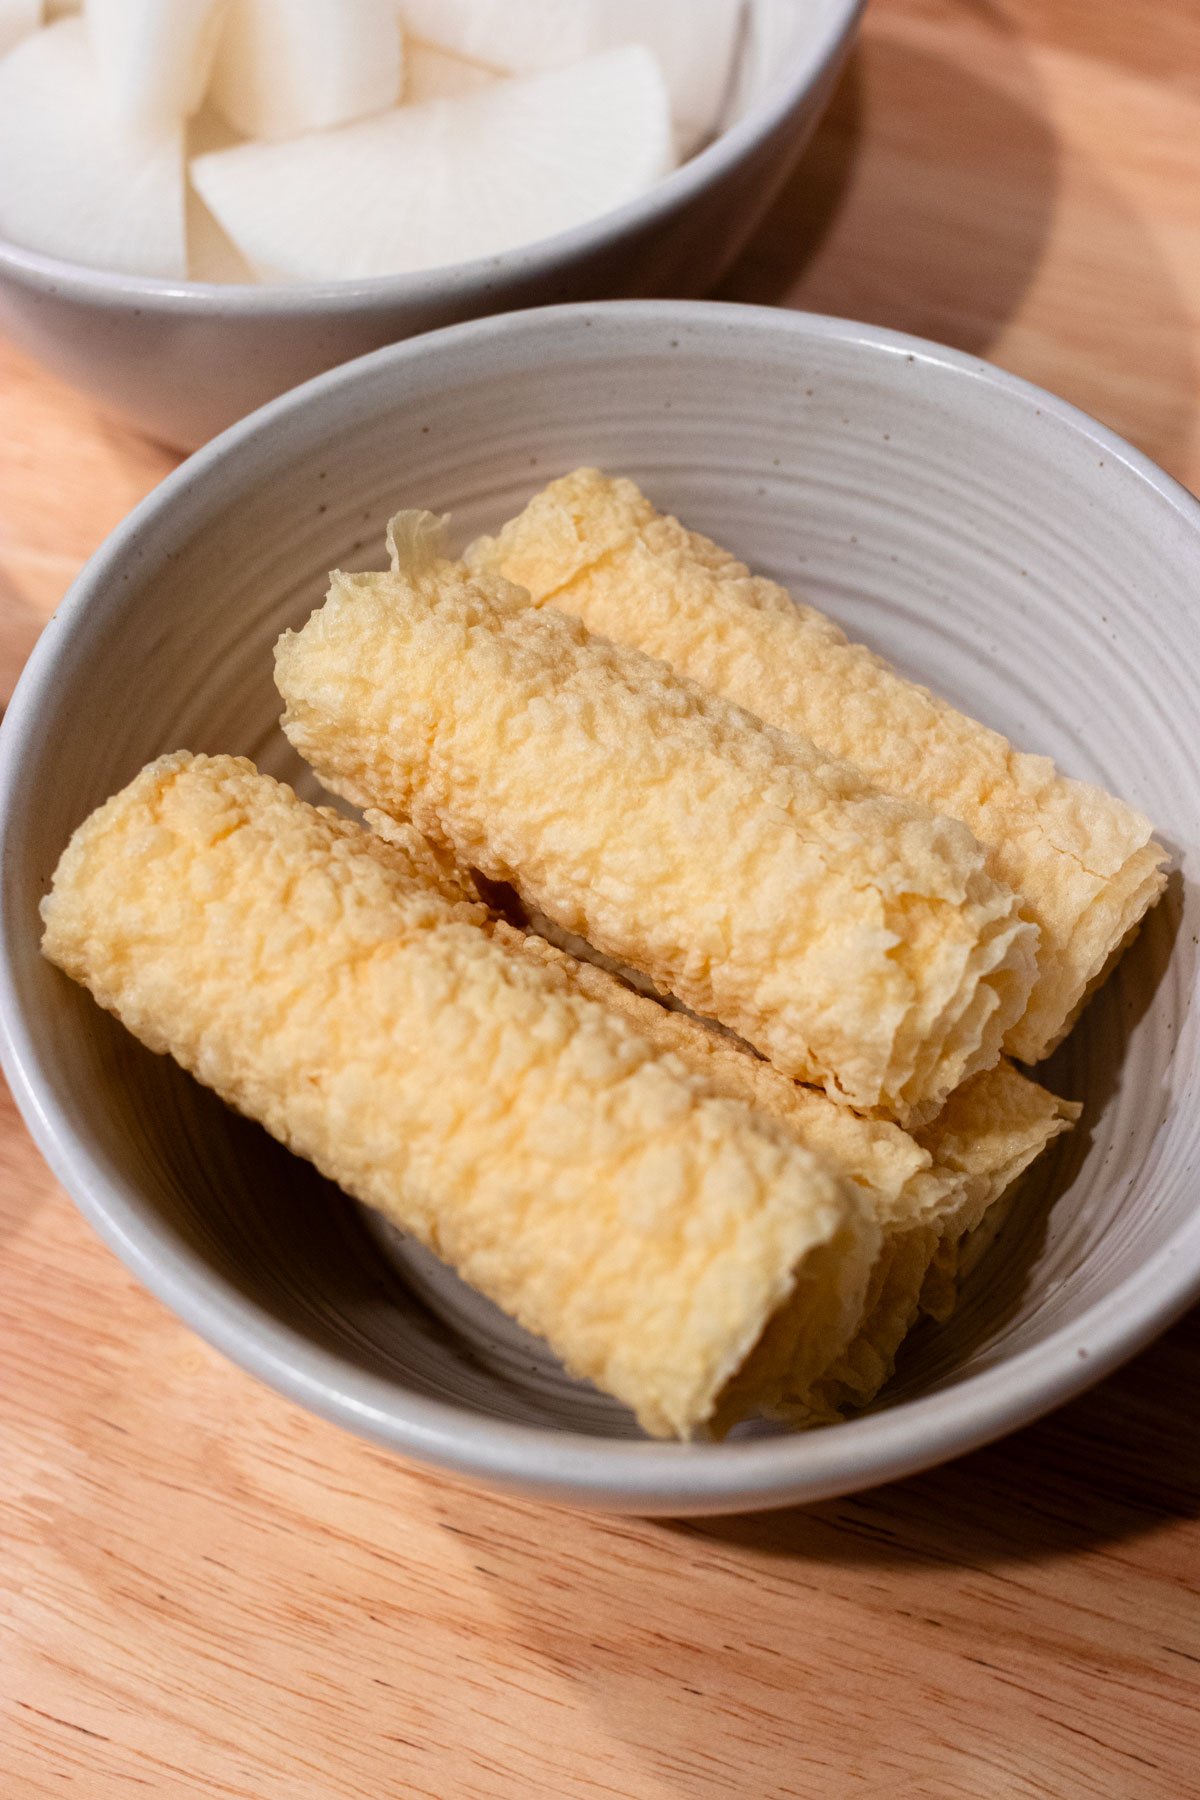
(205, 1592)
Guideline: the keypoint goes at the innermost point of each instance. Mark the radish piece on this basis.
(72, 184)
(154, 57)
(449, 180)
(694, 40)
(522, 37)
(17, 19)
(289, 66)
(431, 74)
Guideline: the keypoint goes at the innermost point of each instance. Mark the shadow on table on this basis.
(901, 211)
(881, 1643)
(25, 1181)
(937, 198)
(20, 627)
(1111, 1466)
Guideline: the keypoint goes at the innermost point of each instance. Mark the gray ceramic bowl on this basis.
(981, 533)
(182, 360)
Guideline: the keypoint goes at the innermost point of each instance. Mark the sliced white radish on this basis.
(694, 40)
(285, 67)
(424, 186)
(431, 74)
(522, 37)
(17, 19)
(72, 183)
(154, 57)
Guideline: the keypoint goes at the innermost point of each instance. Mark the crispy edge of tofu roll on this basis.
(930, 1191)
(987, 1135)
(310, 974)
(854, 939)
(1084, 864)
(940, 1195)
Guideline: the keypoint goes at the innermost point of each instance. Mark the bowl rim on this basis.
(463, 282)
(615, 1474)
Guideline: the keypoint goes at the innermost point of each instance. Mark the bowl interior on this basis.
(988, 541)
(775, 34)
(778, 49)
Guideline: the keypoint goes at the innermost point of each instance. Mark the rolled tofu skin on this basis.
(854, 939)
(929, 1191)
(1085, 864)
(309, 973)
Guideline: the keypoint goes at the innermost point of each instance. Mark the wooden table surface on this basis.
(205, 1592)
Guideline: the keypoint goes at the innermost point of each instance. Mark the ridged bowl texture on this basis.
(986, 537)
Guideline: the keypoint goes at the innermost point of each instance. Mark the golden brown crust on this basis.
(854, 939)
(1084, 863)
(311, 974)
(930, 1191)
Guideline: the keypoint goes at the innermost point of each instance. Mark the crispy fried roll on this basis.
(316, 979)
(1084, 864)
(929, 1191)
(855, 939)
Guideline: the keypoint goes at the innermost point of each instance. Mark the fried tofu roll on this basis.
(936, 1193)
(856, 940)
(984, 1138)
(928, 1191)
(311, 974)
(1084, 864)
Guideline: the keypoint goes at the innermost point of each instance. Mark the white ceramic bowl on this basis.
(182, 360)
(981, 533)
